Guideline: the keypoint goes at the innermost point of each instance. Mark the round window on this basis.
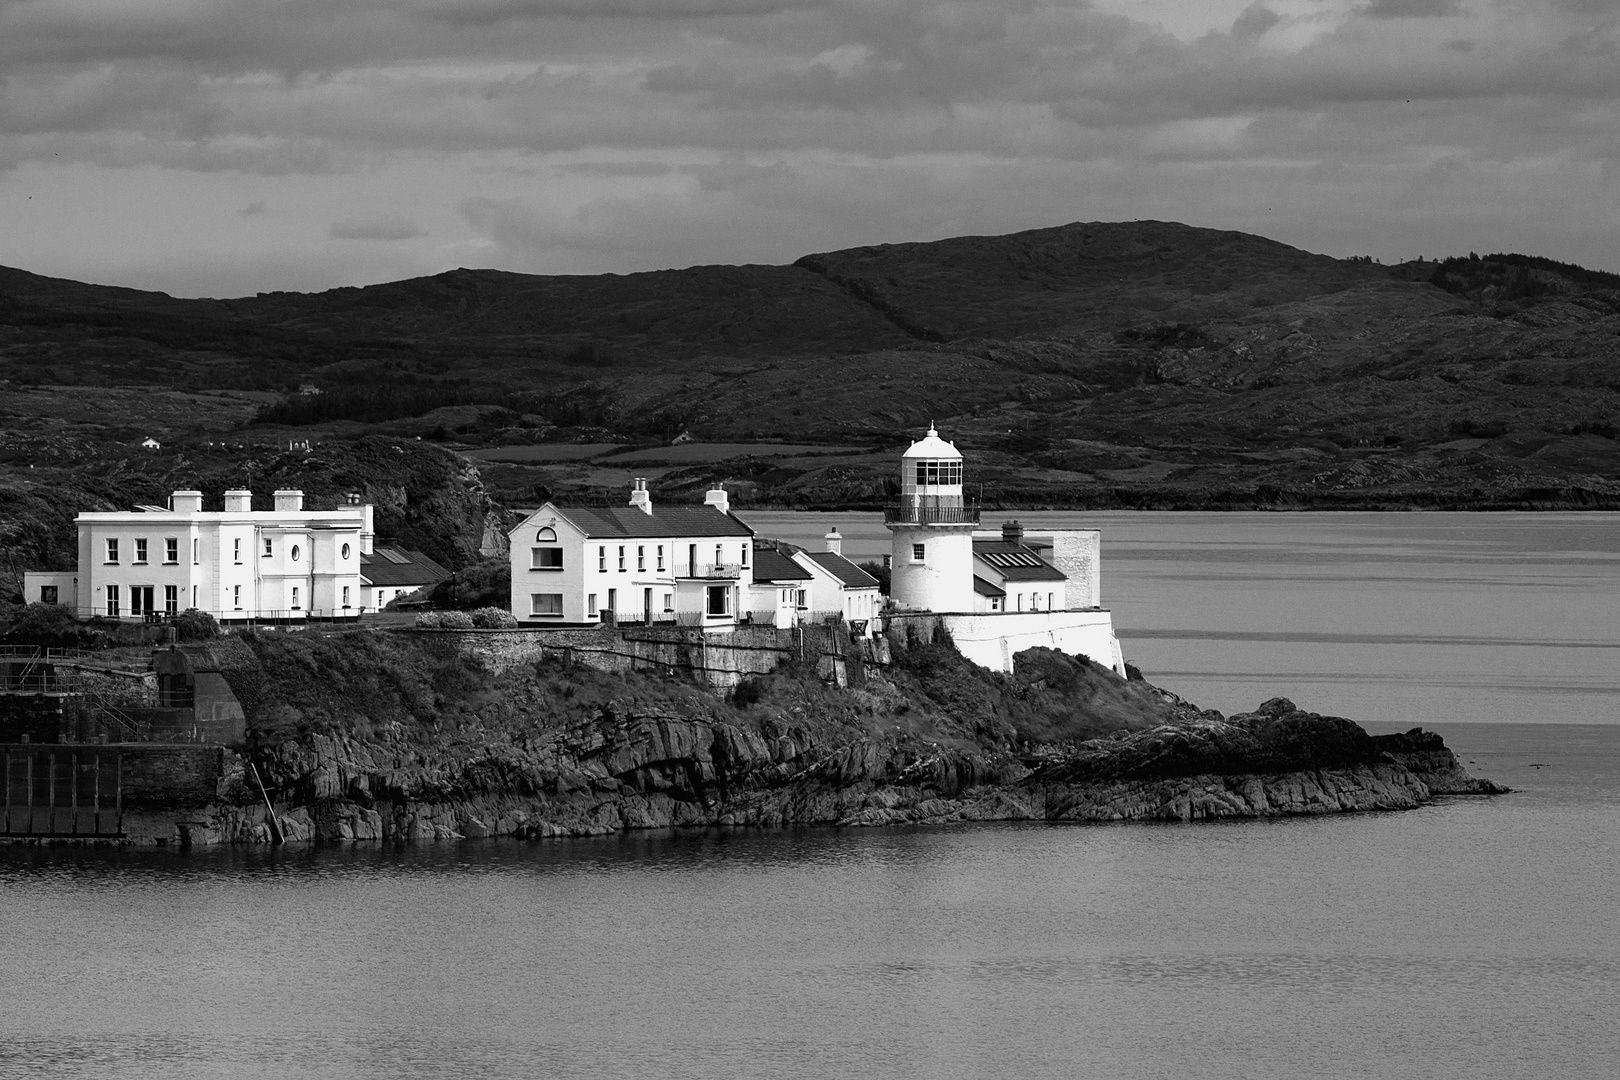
(295, 553)
(345, 551)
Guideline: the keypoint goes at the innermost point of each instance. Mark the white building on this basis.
(683, 564)
(839, 586)
(997, 593)
(238, 563)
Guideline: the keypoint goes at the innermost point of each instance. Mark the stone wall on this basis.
(992, 638)
(721, 660)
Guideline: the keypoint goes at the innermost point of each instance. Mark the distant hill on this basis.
(1092, 364)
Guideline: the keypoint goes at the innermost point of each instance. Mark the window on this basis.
(669, 601)
(345, 588)
(112, 601)
(294, 553)
(269, 547)
(919, 553)
(171, 599)
(718, 557)
(745, 556)
(938, 473)
(194, 596)
(47, 594)
(546, 536)
(112, 549)
(1020, 601)
(661, 560)
(171, 549)
(345, 554)
(295, 595)
(236, 597)
(546, 605)
(196, 548)
(601, 559)
(140, 550)
(1049, 604)
(236, 551)
(545, 558)
(641, 557)
(995, 603)
(799, 599)
(590, 606)
(719, 600)
(621, 558)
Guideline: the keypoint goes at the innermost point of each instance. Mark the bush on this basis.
(194, 625)
(49, 625)
(486, 583)
(747, 692)
(492, 618)
(444, 620)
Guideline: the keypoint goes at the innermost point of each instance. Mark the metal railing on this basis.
(926, 514)
(721, 571)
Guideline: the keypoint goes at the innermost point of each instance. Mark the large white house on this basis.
(997, 593)
(235, 563)
(673, 564)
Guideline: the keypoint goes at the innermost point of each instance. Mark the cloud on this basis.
(381, 226)
(1412, 9)
(1255, 21)
(253, 209)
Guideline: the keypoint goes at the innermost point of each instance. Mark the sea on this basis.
(1474, 937)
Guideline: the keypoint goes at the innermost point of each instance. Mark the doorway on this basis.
(140, 600)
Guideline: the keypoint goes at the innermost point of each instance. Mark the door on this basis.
(613, 602)
(140, 600)
(691, 560)
(646, 606)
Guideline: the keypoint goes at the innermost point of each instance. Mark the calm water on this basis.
(1475, 938)
(1411, 618)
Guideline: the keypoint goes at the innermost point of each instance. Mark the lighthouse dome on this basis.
(932, 447)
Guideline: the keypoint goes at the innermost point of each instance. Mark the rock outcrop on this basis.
(641, 770)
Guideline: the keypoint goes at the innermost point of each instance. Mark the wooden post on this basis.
(50, 789)
(8, 790)
(97, 783)
(118, 792)
(73, 789)
(30, 790)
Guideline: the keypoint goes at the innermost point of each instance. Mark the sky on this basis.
(227, 147)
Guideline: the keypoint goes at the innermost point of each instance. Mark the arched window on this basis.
(546, 536)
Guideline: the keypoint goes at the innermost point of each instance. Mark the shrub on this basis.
(486, 583)
(194, 625)
(747, 692)
(492, 618)
(444, 620)
(49, 625)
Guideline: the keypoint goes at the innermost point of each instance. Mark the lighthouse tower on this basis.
(932, 530)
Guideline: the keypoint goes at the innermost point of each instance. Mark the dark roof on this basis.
(609, 522)
(772, 565)
(1015, 562)
(984, 588)
(396, 566)
(841, 568)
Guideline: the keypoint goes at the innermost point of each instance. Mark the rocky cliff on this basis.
(435, 747)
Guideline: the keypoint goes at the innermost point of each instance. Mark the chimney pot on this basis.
(186, 502)
(238, 500)
(1012, 532)
(835, 543)
(640, 497)
(717, 498)
(289, 499)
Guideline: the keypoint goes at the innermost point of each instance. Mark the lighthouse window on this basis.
(937, 473)
(917, 552)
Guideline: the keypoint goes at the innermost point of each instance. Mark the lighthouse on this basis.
(932, 530)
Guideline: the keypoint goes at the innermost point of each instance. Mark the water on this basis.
(1413, 618)
(1472, 938)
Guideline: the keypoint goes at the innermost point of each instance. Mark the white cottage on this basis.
(691, 565)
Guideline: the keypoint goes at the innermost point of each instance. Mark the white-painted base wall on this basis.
(992, 639)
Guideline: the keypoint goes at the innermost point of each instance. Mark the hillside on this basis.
(1092, 364)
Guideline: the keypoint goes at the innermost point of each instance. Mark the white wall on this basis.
(943, 580)
(992, 640)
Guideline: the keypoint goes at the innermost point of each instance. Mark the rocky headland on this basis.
(395, 736)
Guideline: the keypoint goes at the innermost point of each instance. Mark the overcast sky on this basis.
(224, 147)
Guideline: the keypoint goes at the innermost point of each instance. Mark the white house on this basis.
(781, 589)
(238, 563)
(839, 586)
(997, 593)
(678, 564)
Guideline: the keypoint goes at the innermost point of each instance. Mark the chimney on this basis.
(1012, 532)
(366, 535)
(717, 498)
(835, 543)
(289, 500)
(640, 497)
(238, 500)
(186, 502)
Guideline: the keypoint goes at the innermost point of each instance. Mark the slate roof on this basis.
(841, 568)
(1015, 562)
(772, 565)
(608, 522)
(985, 588)
(396, 566)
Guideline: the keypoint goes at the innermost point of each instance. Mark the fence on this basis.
(61, 791)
